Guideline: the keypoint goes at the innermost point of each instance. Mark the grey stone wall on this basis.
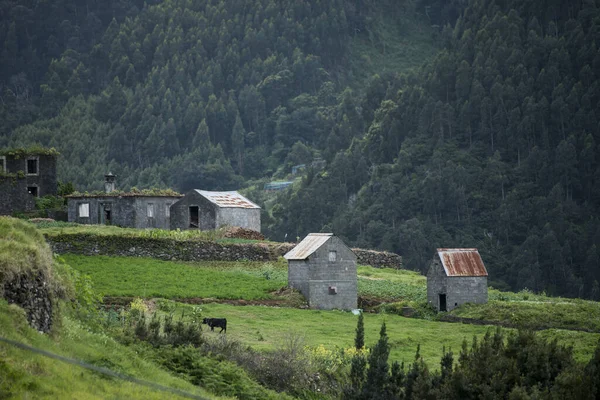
(458, 289)
(248, 218)
(14, 196)
(436, 283)
(180, 212)
(162, 249)
(126, 211)
(466, 289)
(30, 292)
(298, 276)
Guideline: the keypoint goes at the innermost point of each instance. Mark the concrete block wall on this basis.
(466, 289)
(298, 276)
(248, 218)
(322, 297)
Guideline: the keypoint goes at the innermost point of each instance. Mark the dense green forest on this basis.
(442, 123)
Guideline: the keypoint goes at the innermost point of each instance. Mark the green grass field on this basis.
(146, 277)
(265, 327)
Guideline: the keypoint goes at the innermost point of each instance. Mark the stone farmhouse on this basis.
(455, 277)
(25, 175)
(145, 209)
(323, 269)
(205, 210)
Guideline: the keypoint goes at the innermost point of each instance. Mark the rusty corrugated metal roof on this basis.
(462, 262)
(227, 199)
(307, 246)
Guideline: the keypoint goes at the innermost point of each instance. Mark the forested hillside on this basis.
(492, 144)
(205, 94)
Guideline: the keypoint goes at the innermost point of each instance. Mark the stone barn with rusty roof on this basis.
(205, 210)
(455, 277)
(323, 269)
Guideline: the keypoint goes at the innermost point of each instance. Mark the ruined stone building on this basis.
(455, 277)
(141, 209)
(25, 175)
(323, 269)
(205, 210)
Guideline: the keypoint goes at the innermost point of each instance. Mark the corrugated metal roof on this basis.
(462, 262)
(227, 199)
(307, 246)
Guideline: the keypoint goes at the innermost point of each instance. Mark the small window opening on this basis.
(33, 190)
(2, 164)
(168, 210)
(332, 289)
(332, 256)
(194, 217)
(84, 210)
(32, 166)
(150, 210)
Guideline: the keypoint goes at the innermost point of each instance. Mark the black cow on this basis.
(218, 322)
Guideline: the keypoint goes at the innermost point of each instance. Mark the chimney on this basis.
(109, 182)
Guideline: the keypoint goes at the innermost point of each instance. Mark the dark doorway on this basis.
(105, 213)
(194, 217)
(33, 190)
(442, 302)
(107, 216)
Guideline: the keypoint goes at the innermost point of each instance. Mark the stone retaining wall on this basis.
(30, 291)
(169, 249)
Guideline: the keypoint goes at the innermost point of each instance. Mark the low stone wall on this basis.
(378, 259)
(30, 291)
(161, 248)
(169, 249)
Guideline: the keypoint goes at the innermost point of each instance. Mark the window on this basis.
(332, 289)
(168, 210)
(332, 256)
(32, 166)
(2, 164)
(84, 210)
(150, 210)
(33, 190)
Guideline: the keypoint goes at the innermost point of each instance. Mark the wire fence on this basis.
(102, 370)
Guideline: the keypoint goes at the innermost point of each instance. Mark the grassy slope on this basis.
(30, 375)
(267, 327)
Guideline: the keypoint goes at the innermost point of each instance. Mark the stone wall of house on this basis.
(248, 218)
(169, 249)
(466, 289)
(14, 196)
(436, 283)
(30, 291)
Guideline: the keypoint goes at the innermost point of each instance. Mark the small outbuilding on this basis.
(323, 269)
(455, 277)
(205, 210)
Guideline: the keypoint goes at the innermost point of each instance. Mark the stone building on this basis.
(455, 277)
(25, 175)
(204, 210)
(323, 269)
(145, 209)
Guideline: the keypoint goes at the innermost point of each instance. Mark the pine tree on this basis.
(359, 340)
